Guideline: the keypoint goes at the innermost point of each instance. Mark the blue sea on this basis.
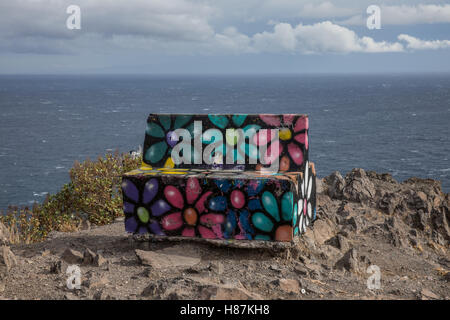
(388, 123)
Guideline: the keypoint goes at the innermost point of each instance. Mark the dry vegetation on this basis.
(93, 194)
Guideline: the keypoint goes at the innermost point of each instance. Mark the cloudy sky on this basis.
(223, 36)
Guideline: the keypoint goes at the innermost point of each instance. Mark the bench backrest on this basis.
(227, 141)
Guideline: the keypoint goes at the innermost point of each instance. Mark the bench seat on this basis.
(223, 204)
(240, 202)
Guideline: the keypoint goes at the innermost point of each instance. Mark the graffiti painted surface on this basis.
(238, 137)
(222, 200)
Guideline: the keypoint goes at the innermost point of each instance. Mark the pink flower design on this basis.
(293, 138)
(193, 215)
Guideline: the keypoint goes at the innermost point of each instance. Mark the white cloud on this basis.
(406, 15)
(421, 13)
(418, 44)
(326, 10)
(323, 37)
(231, 41)
(169, 19)
(189, 27)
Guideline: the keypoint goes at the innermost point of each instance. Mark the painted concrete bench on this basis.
(242, 177)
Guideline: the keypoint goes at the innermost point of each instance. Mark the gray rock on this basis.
(154, 290)
(93, 259)
(70, 296)
(440, 223)
(335, 185)
(217, 267)
(72, 256)
(56, 267)
(349, 261)
(340, 242)
(310, 287)
(387, 177)
(389, 202)
(301, 270)
(7, 261)
(358, 187)
(101, 295)
(323, 229)
(89, 256)
(420, 201)
(287, 285)
(99, 260)
(428, 294)
(165, 258)
(96, 283)
(356, 223)
(344, 209)
(319, 185)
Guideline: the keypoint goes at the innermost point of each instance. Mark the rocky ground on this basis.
(364, 219)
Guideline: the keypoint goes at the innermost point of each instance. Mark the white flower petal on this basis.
(309, 210)
(309, 188)
(306, 171)
(300, 207)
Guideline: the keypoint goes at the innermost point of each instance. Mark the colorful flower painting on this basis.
(141, 206)
(306, 205)
(162, 138)
(292, 142)
(233, 139)
(241, 138)
(196, 212)
(198, 200)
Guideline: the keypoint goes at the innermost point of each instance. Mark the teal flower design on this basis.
(274, 221)
(229, 126)
(160, 138)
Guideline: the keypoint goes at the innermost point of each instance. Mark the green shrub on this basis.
(93, 193)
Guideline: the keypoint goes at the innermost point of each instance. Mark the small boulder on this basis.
(97, 283)
(216, 266)
(340, 242)
(349, 261)
(89, 256)
(335, 185)
(56, 267)
(323, 229)
(427, 294)
(72, 256)
(287, 285)
(167, 258)
(389, 202)
(355, 223)
(419, 200)
(154, 290)
(7, 261)
(99, 260)
(70, 296)
(358, 187)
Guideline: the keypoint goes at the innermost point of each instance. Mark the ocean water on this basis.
(388, 123)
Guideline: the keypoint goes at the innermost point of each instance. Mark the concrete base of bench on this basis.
(274, 246)
(224, 205)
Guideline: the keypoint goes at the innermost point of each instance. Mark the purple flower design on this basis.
(141, 207)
